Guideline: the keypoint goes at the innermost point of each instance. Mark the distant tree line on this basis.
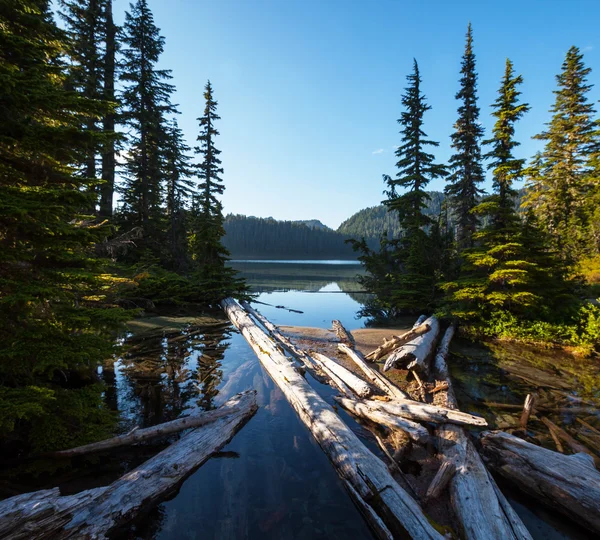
(497, 269)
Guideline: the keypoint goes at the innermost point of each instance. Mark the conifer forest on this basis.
(126, 286)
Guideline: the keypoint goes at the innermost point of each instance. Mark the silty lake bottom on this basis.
(272, 480)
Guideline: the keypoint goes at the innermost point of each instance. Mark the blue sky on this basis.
(309, 90)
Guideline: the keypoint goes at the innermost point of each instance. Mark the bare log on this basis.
(482, 511)
(423, 412)
(417, 353)
(570, 484)
(355, 383)
(373, 376)
(97, 512)
(441, 479)
(415, 431)
(368, 475)
(343, 335)
(527, 408)
(396, 341)
(140, 435)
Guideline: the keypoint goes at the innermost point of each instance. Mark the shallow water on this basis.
(272, 480)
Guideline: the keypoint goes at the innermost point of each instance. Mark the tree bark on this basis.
(97, 512)
(570, 484)
(416, 354)
(381, 499)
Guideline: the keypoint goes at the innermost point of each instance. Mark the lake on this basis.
(272, 480)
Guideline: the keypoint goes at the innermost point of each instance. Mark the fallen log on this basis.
(527, 409)
(570, 484)
(97, 512)
(573, 444)
(343, 335)
(417, 353)
(396, 341)
(415, 431)
(140, 435)
(373, 376)
(482, 511)
(355, 383)
(381, 498)
(441, 479)
(420, 412)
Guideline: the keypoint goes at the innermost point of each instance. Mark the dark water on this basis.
(272, 480)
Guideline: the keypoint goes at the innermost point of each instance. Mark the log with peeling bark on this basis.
(97, 512)
(420, 412)
(140, 435)
(481, 509)
(416, 354)
(343, 335)
(415, 431)
(373, 376)
(570, 484)
(381, 499)
(396, 341)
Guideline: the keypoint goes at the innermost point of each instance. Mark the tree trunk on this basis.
(416, 354)
(378, 495)
(97, 512)
(570, 484)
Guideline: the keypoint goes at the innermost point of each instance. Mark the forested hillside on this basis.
(259, 238)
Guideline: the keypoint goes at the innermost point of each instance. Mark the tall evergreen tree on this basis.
(179, 186)
(146, 102)
(52, 321)
(559, 183)
(465, 164)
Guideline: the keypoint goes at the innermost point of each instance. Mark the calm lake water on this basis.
(272, 480)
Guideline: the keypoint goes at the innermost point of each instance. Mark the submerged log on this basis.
(343, 335)
(573, 444)
(140, 435)
(570, 484)
(396, 341)
(415, 431)
(382, 500)
(373, 376)
(95, 513)
(416, 354)
(420, 412)
(527, 409)
(482, 511)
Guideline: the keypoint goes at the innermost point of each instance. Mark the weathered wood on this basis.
(373, 376)
(415, 431)
(97, 512)
(396, 341)
(577, 447)
(343, 335)
(482, 511)
(441, 479)
(570, 484)
(424, 412)
(367, 474)
(140, 435)
(556, 440)
(416, 354)
(355, 383)
(588, 426)
(527, 408)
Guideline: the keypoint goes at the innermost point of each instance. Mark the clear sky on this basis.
(309, 90)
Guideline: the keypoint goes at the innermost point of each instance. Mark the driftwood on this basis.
(570, 484)
(373, 376)
(384, 504)
(415, 410)
(482, 511)
(396, 341)
(441, 479)
(415, 431)
(95, 513)
(573, 444)
(140, 435)
(527, 409)
(355, 383)
(343, 335)
(417, 353)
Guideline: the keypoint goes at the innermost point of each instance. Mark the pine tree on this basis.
(415, 279)
(53, 324)
(146, 103)
(179, 185)
(465, 164)
(559, 181)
